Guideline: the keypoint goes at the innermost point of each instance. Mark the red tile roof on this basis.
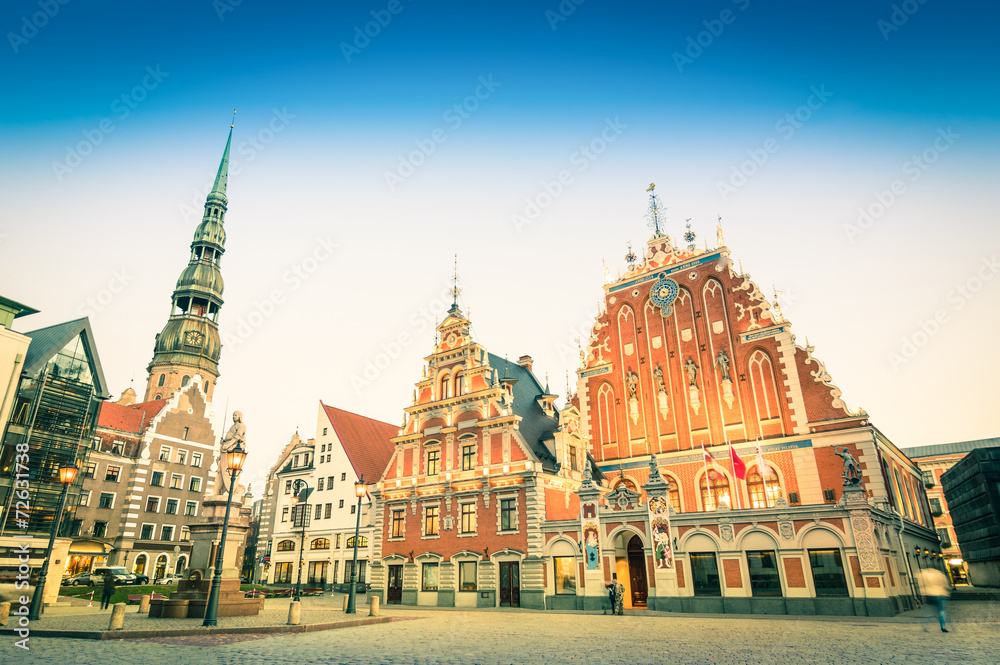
(366, 441)
(133, 419)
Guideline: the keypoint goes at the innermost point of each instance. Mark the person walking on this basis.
(935, 589)
(617, 594)
(109, 590)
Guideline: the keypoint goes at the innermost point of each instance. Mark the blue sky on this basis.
(834, 99)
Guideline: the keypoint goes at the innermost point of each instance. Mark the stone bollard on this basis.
(345, 603)
(4, 613)
(373, 606)
(144, 604)
(117, 617)
(294, 613)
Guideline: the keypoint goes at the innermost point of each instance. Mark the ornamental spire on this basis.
(454, 289)
(655, 214)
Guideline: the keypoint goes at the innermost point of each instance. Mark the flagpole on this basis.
(704, 464)
(736, 480)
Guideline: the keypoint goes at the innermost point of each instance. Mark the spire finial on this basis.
(655, 214)
(689, 235)
(454, 289)
(569, 393)
(718, 233)
(233, 123)
(630, 257)
(222, 177)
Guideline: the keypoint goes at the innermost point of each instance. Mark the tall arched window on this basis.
(139, 567)
(445, 388)
(181, 565)
(714, 490)
(675, 493)
(163, 377)
(459, 383)
(161, 566)
(765, 390)
(763, 491)
(185, 380)
(606, 414)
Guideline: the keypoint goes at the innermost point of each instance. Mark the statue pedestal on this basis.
(206, 534)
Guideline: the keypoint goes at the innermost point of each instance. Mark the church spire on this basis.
(222, 177)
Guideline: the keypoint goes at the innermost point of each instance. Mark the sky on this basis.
(850, 148)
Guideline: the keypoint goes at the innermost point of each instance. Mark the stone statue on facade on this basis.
(852, 471)
(633, 381)
(692, 371)
(722, 362)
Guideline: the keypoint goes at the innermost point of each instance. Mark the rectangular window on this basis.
(508, 514)
(362, 565)
(117, 448)
(936, 510)
(468, 523)
(176, 481)
(319, 485)
(945, 538)
(182, 457)
(185, 533)
(147, 532)
(84, 498)
(191, 509)
(343, 477)
(107, 500)
(157, 479)
(283, 572)
(329, 510)
(468, 457)
(431, 523)
(705, 573)
(288, 487)
(185, 434)
(152, 504)
(112, 474)
(764, 580)
(329, 483)
(167, 533)
(75, 528)
(573, 463)
(324, 431)
(828, 572)
(565, 572)
(171, 508)
(195, 484)
(165, 453)
(100, 529)
(284, 514)
(341, 505)
(353, 508)
(195, 459)
(429, 577)
(929, 480)
(90, 470)
(433, 458)
(467, 575)
(319, 511)
(337, 546)
(398, 520)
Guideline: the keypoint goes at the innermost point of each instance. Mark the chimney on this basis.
(525, 362)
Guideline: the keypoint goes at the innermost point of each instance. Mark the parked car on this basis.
(141, 579)
(122, 576)
(76, 580)
(168, 579)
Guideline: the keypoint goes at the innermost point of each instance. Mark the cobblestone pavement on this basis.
(518, 636)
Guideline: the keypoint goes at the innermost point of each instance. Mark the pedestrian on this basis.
(109, 590)
(616, 593)
(935, 589)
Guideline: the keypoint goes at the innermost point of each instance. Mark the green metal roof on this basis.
(11, 309)
(222, 178)
(950, 448)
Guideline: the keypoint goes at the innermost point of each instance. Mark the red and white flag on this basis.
(762, 467)
(739, 466)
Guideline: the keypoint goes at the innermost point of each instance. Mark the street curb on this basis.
(187, 632)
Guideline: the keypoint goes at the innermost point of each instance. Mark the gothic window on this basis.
(714, 490)
(163, 377)
(606, 414)
(763, 491)
(763, 385)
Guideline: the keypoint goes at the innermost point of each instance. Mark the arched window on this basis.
(163, 377)
(362, 541)
(763, 491)
(606, 414)
(181, 565)
(445, 388)
(161, 566)
(139, 567)
(185, 381)
(286, 546)
(207, 384)
(627, 483)
(459, 384)
(320, 544)
(762, 383)
(158, 396)
(675, 493)
(714, 490)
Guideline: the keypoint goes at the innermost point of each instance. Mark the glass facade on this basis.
(764, 579)
(705, 574)
(828, 572)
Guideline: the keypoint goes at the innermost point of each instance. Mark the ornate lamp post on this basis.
(234, 463)
(360, 490)
(67, 474)
(302, 491)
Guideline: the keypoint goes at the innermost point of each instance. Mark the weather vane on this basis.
(233, 124)
(655, 213)
(454, 285)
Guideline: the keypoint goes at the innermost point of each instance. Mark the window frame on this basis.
(431, 516)
(515, 512)
(100, 500)
(397, 518)
(165, 453)
(192, 481)
(187, 506)
(463, 584)
(143, 531)
(432, 458)
(766, 585)
(571, 562)
(425, 568)
(112, 478)
(468, 516)
(468, 455)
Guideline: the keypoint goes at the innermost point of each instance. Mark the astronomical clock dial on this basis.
(664, 293)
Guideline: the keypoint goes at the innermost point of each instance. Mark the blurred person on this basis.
(935, 589)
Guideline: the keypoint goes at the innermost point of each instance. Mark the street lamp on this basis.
(360, 490)
(67, 474)
(235, 459)
(301, 487)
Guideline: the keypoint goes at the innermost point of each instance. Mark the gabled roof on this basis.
(132, 419)
(367, 442)
(535, 426)
(47, 342)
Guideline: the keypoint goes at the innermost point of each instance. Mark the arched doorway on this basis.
(161, 566)
(637, 572)
(181, 565)
(139, 567)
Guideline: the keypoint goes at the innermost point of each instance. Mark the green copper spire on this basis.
(222, 177)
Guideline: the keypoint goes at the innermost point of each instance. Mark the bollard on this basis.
(4, 613)
(144, 604)
(294, 613)
(117, 617)
(345, 603)
(373, 606)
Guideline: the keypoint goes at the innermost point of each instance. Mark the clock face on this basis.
(664, 293)
(194, 338)
(453, 340)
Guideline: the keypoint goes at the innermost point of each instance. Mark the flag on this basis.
(708, 458)
(762, 467)
(739, 466)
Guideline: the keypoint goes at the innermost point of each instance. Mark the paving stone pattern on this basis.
(519, 636)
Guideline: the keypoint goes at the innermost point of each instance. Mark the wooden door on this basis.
(510, 584)
(394, 590)
(637, 572)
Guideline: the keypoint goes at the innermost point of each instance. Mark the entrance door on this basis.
(510, 584)
(637, 572)
(394, 590)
